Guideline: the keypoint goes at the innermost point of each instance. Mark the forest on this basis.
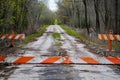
(27, 16)
(24, 16)
(97, 16)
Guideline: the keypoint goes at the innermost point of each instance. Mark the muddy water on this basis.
(44, 72)
(58, 72)
(46, 46)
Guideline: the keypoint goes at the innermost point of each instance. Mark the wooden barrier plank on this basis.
(59, 60)
(109, 37)
(23, 59)
(12, 36)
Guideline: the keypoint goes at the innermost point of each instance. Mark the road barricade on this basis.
(12, 37)
(60, 60)
(110, 37)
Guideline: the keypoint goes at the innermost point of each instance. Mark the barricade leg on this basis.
(110, 45)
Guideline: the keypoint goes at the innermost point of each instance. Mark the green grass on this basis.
(56, 22)
(56, 35)
(77, 35)
(39, 33)
(73, 33)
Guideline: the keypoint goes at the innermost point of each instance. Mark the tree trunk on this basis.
(74, 13)
(86, 20)
(106, 14)
(116, 16)
(96, 6)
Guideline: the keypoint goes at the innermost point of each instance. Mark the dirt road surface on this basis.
(67, 45)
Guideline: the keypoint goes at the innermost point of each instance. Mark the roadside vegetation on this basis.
(56, 35)
(58, 44)
(24, 16)
(78, 35)
(39, 33)
(73, 33)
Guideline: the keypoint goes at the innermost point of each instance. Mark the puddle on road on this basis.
(43, 72)
(58, 72)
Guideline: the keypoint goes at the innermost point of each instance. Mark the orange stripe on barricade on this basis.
(2, 58)
(20, 37)
(114, 60)
(108, 36)
(50, 60)
(7, 36)
(13, 37)
(23, 60)
(115, 37)
(67, 60)
(102, 36)
(89, 60)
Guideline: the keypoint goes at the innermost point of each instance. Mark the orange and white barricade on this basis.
(59, 60)
(110, 37)
(12, 37)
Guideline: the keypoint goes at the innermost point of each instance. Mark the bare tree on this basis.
(116, 16)
(86, 19)
(96, 7)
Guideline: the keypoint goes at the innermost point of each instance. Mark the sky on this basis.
(52, 5)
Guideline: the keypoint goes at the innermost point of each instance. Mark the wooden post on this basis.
(110, 41)
(12, 43)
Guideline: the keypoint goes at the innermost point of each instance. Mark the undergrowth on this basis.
(73, 33)
(77, 35)
(56, 35)
(39, 33)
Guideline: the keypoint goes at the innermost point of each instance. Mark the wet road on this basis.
(46, 45)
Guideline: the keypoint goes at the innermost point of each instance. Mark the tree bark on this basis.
(96, 7)
(116, 16)
(86, 20)
(106, 15)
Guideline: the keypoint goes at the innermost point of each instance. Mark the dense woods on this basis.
(24, 16)
(28, 15)
(96, 15)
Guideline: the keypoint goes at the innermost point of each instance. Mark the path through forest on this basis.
(67, 45)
